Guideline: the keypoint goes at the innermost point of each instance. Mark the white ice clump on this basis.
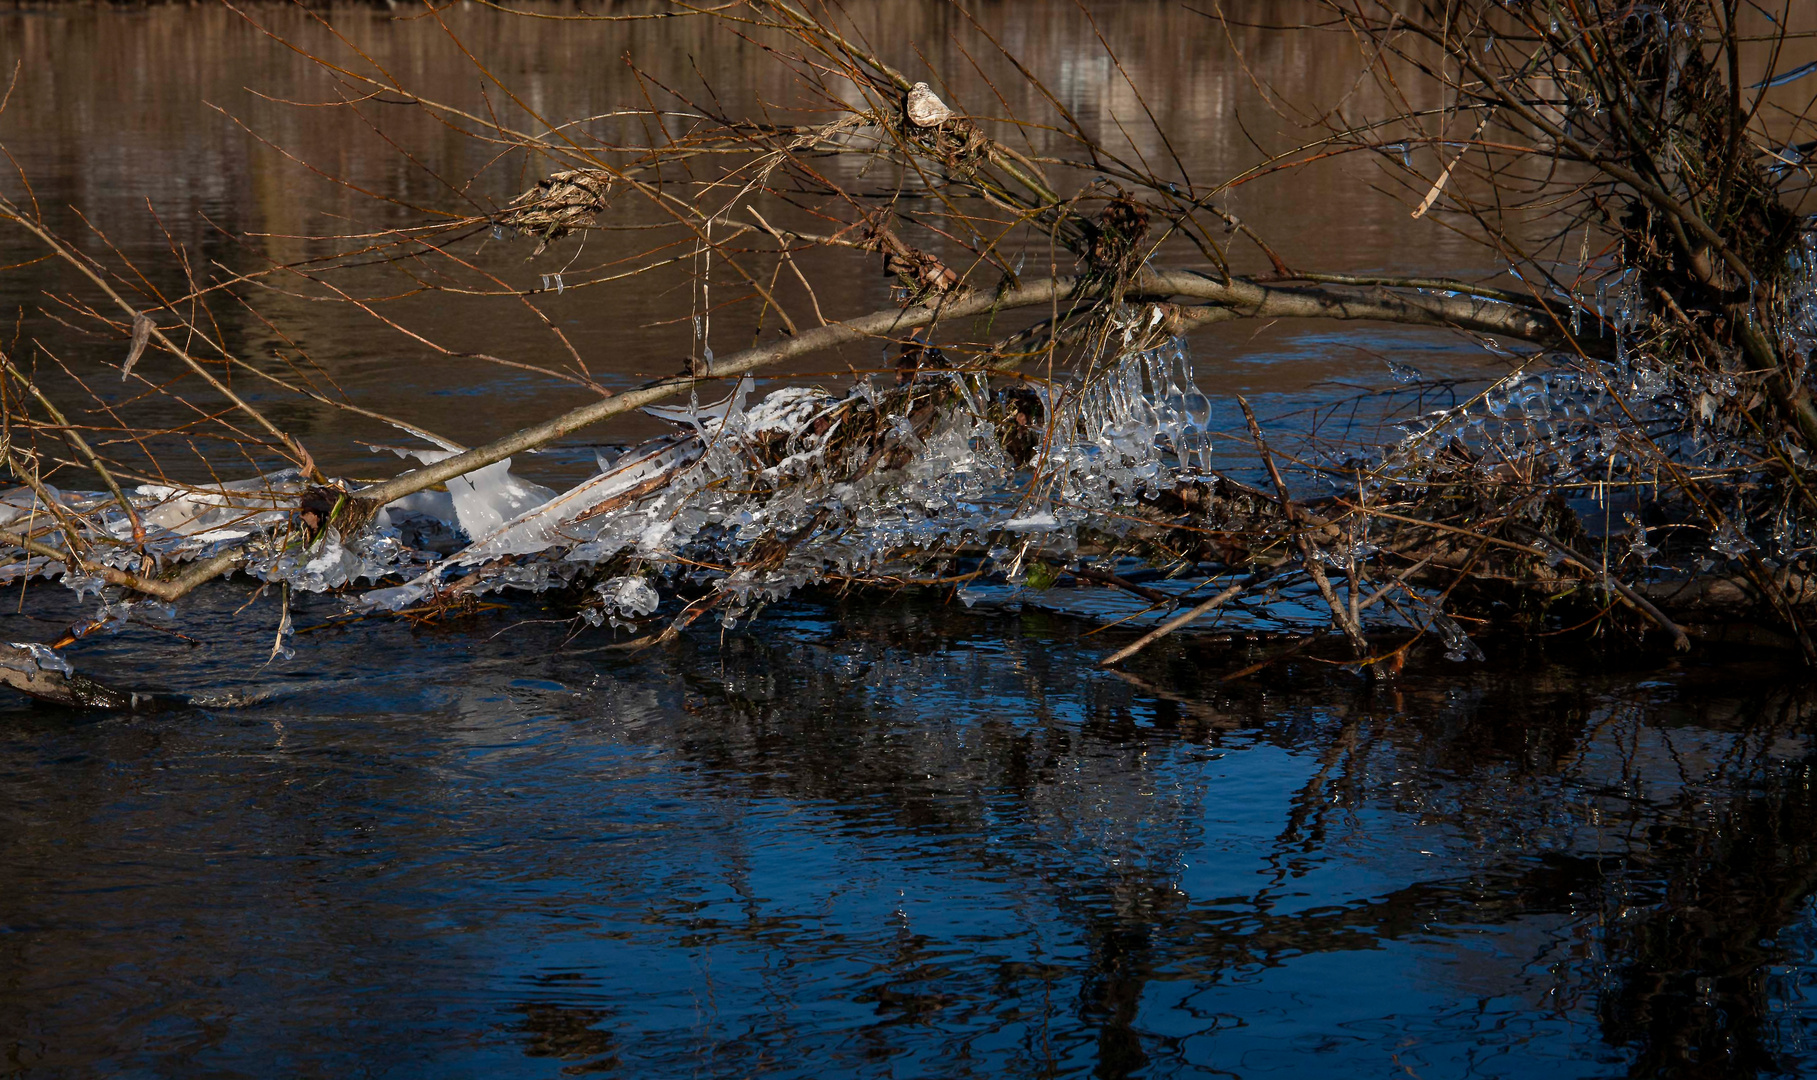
(736, 474)
(553, 520)
(742, 474)
(1036, 522)
(320, 566)
(1729, 541)
(489, 496)
(180, 523)
(629, 596)
(1458, 646)
(755, 500)
(230, 511)
(45, 657)
(706, 419)
(1586, 422)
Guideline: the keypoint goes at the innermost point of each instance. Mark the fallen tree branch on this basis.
(1235, 298)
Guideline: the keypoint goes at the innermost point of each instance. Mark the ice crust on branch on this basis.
(755, 500)
(816, 483)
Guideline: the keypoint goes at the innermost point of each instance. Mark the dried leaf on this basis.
(142, 326)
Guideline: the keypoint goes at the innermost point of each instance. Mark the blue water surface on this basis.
(898, 840)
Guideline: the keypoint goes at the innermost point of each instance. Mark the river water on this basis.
(859, 836)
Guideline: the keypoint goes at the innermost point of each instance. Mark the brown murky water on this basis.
(902, 839)
(200, 117)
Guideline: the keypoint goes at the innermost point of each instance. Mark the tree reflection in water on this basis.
(909, 840)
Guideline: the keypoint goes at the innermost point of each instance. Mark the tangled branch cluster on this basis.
(1642, 464)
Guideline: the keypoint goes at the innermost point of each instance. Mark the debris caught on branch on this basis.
(555, 207)
(1640, 467)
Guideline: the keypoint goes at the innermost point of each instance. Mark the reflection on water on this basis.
(908, 841)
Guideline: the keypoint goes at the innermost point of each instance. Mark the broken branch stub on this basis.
(39, 673)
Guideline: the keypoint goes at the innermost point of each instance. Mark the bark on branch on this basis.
(1221, 299)
(1235, 298)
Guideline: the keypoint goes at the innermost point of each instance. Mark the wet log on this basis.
(39, 673)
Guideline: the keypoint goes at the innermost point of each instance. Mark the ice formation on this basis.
(737, 478)
(1587, 425)
(751, 500)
